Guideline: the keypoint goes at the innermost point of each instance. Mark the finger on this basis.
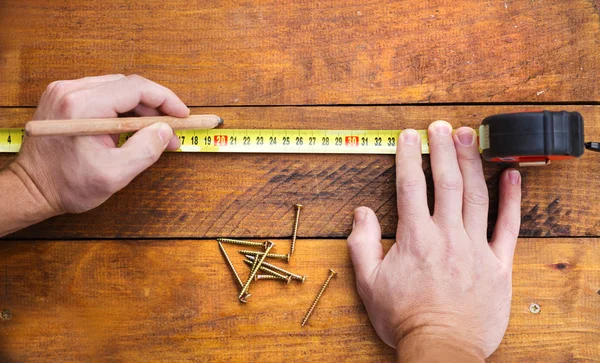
(115, 138)
(141, 110)
(447, 180)
(99, 79)
(174, 144)
(508, 223)
(123, 95)
(411, 188)
(140, 151)
(60, 88)
(364, 243)
(475, 192)
(53, 104)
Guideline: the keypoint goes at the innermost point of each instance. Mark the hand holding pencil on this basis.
(77, 173)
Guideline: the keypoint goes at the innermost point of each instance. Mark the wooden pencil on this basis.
(117, 125)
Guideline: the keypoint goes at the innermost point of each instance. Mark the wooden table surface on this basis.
(141, 278)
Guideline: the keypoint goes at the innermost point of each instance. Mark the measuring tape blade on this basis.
(11, 139)
(266, 141)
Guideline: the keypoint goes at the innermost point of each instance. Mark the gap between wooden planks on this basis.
(177, 300)
(252, 195)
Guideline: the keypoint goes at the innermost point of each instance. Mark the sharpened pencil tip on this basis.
(220, 121)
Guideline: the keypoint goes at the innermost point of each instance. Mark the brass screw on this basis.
(312, 307)
(255, 270)
(242, 243)
(279, 269)
(268, 270)
(298, 208)
(6, 314)
(243, 299)
(272, 277)
(270, 255)
(534, 308)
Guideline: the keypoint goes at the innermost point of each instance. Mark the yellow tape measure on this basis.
(11, 139)
(267, 141)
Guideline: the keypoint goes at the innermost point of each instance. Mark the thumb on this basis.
(364, 242)
(142, 150)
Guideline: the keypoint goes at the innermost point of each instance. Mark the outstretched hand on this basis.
(442, 287)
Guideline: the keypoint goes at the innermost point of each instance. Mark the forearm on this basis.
(433, 349)
(22, 202)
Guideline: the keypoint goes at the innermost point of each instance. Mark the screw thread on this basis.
(295, 230)
(226, 256)
(270, 255)
(314, 304)
(279, 269)
(255, 270)
(268, 270)
(271, 277)
(241, 242)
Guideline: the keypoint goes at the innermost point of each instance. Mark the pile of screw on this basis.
(256, 261)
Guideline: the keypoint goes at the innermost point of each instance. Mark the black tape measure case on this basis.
(533, 137)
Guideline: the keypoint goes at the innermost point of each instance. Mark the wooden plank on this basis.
(176, 300)
(200, 195)
(263, 52)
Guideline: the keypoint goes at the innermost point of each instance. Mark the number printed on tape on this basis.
(266, 141)
(293, 141)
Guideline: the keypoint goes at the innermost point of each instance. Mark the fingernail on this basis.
(443, 128)
(514, 177)
(409, 136)
(359, 216)
(165, 133)
(466, 137)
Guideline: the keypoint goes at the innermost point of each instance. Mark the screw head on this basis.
(332, 272)
(534, 308)
(298, 206)
(6, 314)
(303, 278)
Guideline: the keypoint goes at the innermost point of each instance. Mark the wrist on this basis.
(429, 347)
(33, 193)
(24, 202)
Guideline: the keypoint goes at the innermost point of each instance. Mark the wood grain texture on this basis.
(177, 300)
(265, 52)
(251, 195)
(145, 299)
